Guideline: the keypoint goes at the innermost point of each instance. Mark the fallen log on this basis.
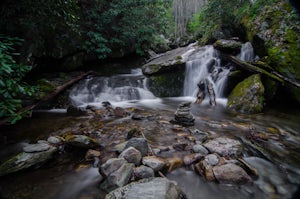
(211, 93)
(57, 91)
(250, 67)
(272, 74)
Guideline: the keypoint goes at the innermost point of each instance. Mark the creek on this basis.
(273, 150)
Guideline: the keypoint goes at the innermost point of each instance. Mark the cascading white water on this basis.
(114, 89)
(247, 52)
(205, 64)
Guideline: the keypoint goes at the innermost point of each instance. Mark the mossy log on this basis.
(57, 91)
(273, 75)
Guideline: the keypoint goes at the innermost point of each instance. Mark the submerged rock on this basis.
(224, 146)
(25, 160)
(81, 141)
(151, 188)
(247, 96)
(231, 174)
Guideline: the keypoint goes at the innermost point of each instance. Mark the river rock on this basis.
(39, 147)
(173, 163)
(211, 159)
(154, 162)
(143, 172)
(231, 174)
(247, 96)
(25, 160)
(151, 188)
(118, 178)
(132, 155)
(92, 154)
(198, 148)
(192, 158)
(224, 146)
(111, 165)
(183, 115)
(228, 46)
(205, 170)
(179, 146)
(81, 141)
(56, 140)
(140, 144)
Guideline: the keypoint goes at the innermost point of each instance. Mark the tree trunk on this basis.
(211, 93)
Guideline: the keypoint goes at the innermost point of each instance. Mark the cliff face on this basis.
(275, 33)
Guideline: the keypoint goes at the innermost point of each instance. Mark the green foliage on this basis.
(215, 20)
(118, 27)
(11, 86)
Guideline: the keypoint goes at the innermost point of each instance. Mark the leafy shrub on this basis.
(12, 88)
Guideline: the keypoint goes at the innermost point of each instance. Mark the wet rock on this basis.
(231, 174)
(154, 162)
(118, 178)
(183, 115)
(192, 158)
(211, 159)
(247, 167)
(158, 188)
(247, 96)
(132, 155)
(224, 146)
(56, 140)
(179, 146)
(25, 160)
(39, 147)
(198, 148)
(228, 46)
(81, 141)
(111, 165)
(142, 172)
(140, 144)
(173, 163)
(205, 170)
(92, 154)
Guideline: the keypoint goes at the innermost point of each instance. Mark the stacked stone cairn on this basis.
(183, 115)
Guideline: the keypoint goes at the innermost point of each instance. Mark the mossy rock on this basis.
(247, 96)
(275, 32)
(81, 141)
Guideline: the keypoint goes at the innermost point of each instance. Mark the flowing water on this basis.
(276, 159)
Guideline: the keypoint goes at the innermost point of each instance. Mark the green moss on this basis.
(178, 58)
(45, 85)
(247, 96)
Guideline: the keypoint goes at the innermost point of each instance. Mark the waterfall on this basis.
(114, 89)
(247, 52)
(205, 64)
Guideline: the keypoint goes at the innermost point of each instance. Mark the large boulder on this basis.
(247, 96)
(35, 154)
(151, 188)
(169, 61)
(228, 46)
